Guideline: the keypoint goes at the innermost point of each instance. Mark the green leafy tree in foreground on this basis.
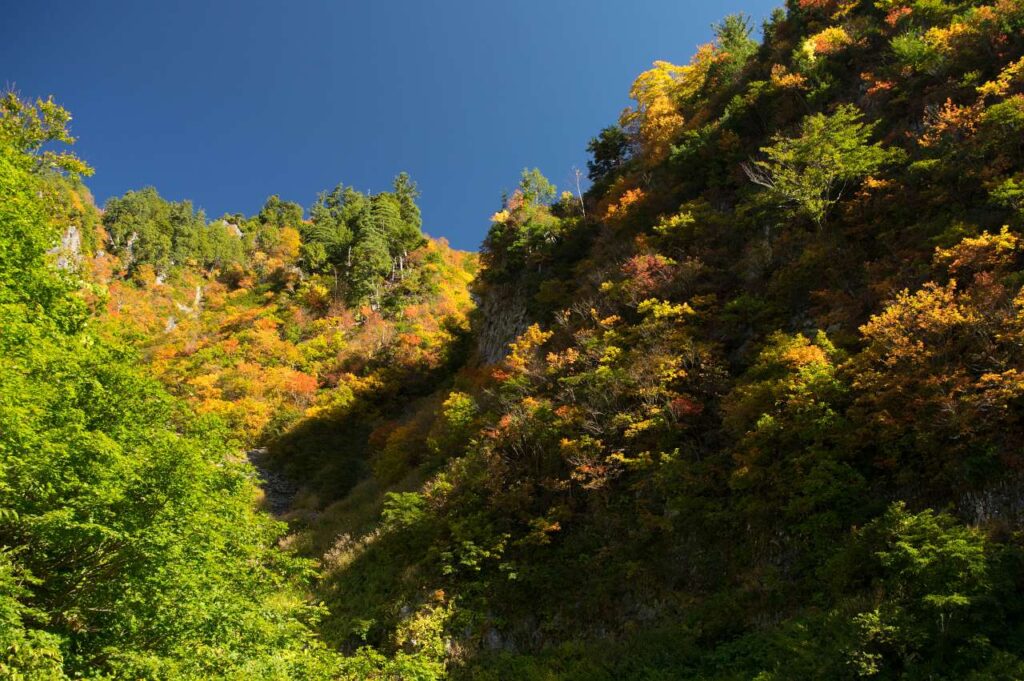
(29, 126)
(130, 546)
(945, 597)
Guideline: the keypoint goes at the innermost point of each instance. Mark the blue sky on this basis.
(226, 102)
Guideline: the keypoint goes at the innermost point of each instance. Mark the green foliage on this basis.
(792, 437)
(279, 214)
(656, 467)
(1003, 124)
(27, 127)
(524, 232)
(407, 192)
(365, 241)
(671, 473)
(941, 613)
(732, 36)
(23, 283)
(423, 635)
(609, 152)
(371, 263)
(132, 547)
(145, 229)
(816, 169)
(1010, 193)
(402, 510)
(535, 188)
(28, 652)
(914, 52)
(454, 427)
(329, 237)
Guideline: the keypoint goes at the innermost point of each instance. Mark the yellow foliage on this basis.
(524, 347)
(639, 427)
(806, 354)
(662, 309)
(656, 119)
(947, 40)
(987, 251)
(933, 311)
(145, 276)
(1007, 78)
(315, 296)
(675, 224)
(288, 245)
(206, 387)
(830, 41)
(563, 360)
(252, 356)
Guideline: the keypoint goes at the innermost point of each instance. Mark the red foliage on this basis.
(683, 406)
(515, 201)
(816, 5)
(648, 273)
(897, 14)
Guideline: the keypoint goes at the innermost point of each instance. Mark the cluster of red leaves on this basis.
(897, 14)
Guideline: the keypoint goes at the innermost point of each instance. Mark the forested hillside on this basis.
(761, 416)
(749, 407)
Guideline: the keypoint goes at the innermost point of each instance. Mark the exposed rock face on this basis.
(129, 248)
(278, 490)
(1002, 501)
(69, 251)
(233, 229)
(197, 304)
(501, 318)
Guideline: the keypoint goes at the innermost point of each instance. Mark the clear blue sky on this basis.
(226, 102)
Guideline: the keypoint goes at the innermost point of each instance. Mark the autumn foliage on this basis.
(748, 407)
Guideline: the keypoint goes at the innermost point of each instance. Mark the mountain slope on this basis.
(751, 407)
(762, 407)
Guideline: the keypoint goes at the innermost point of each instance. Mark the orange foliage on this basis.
(248, 357)
(830, 41)
(647, 274)
(876, 85)
(897, 14)
(951, 122)
(620, 208)
(783, 79)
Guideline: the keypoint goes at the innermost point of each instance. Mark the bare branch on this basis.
(758, 174)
